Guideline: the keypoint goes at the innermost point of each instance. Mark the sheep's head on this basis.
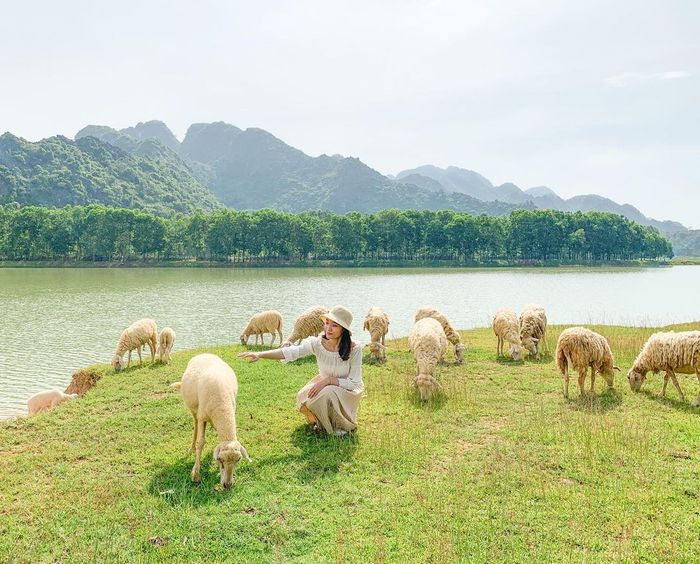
(427, 385)
(459, 352)
(516, 352)
(636, 379)
(227, 455)
(244, 339)
(117, 362)
(377, 349)
(530, 343)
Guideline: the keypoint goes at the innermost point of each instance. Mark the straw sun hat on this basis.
(341, 316)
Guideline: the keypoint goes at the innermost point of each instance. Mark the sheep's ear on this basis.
(616, 368)
(535, 339)
(216, 453)
(244, 452)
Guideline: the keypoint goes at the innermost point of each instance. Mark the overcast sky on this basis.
(584, 97)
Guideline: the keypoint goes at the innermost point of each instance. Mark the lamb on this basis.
(450, 332)
(533, 329)
(139, 333)
(506, 328)
(377, 323)
(209, 388)
(428, 344)
(307, 324)
(166, 340)
(671, 352)
(269, 321)
(46, 400)
(582, 348)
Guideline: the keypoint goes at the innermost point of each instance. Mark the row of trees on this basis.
(98, 233)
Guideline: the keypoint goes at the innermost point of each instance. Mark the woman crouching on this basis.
(330, 399)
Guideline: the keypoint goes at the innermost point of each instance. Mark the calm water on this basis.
(54, 321)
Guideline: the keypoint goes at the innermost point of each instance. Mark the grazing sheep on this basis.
(671, 352)
(582, 348)
(44, 401)
(428, 344)
(209, 388)
(166, 340)
(309, 323)
(450, 332)
(533, 329)
(377, 323)
(506, 327)
(139, 333)
(269, 321)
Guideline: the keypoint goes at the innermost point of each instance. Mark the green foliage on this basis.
(57, 172)
(99, 233)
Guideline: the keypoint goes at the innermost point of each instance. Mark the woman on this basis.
(330, 399)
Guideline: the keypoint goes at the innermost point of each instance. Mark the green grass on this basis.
(500, 467)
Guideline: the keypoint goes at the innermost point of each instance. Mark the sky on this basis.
(584, 97)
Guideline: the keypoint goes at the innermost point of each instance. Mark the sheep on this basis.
(452, 335)
(46, 400)
(533, 329)
(377, 323)
(307, 324)
(671, 352)
(142, 332)
(269, 321)
(428, 344)
(166, 340)
(582, 348)
(506, 328)
(209, 388)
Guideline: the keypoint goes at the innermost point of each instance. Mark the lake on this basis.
(54, 321)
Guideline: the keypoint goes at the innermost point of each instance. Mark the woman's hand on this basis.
(318, 386)
(250, 355)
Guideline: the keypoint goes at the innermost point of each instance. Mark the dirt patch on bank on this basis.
(83, 380)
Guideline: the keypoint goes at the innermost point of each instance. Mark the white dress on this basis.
(334, 407)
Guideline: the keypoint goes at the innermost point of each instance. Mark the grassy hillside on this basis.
(500, 468)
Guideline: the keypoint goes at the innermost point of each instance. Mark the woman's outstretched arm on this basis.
(254, 356)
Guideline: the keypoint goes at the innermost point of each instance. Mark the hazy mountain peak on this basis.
(154, 129)
(539, 191)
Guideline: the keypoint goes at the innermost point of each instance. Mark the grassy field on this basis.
(500, 467)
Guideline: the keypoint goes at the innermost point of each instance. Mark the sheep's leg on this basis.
(499, 346)
(201, 428)
(581, 381)
(592, 380)
(696, 401)
(153, 346)
(676, 384)
(128, 362)
(281, 339)
(666, 379)
(138, 350)
(566, 381)
(194, 435)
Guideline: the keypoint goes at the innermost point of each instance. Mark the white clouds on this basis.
(631, 78)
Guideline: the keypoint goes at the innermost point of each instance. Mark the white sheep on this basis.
(428, 344)
(506, 328)
(269, 321)
(582, 349)
(166, 340)
(309, 323)
(46, 400)
(139, 333)
(377, 323)
(209, 388)
(450, 332)
(533, 329)
(671, 352)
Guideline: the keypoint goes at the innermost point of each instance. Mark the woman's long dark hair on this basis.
(345, 345)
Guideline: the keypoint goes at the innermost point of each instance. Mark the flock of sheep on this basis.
(209, 386)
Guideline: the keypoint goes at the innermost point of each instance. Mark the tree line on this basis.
(99, 233)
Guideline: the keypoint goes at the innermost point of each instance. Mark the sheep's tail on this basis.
(562, 360)
(176, 385)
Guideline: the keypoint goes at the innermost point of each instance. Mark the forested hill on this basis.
(253, 169)
(59, 172)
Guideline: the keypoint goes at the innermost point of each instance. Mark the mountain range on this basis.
(220, 164)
